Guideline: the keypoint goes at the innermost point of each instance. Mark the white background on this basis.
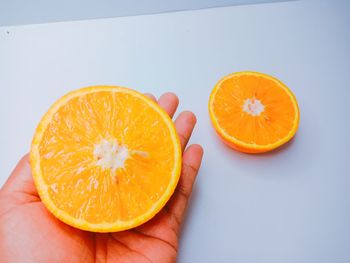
(21, 12)
(291, 205)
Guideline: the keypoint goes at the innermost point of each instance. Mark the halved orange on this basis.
(253, 112)
(105, 158)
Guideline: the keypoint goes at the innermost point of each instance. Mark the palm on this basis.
(32, 227)
(29, 232)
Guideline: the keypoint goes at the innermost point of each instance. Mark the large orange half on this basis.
(253, 112)
(105, 158)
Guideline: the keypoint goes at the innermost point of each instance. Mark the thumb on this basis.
(20, 180)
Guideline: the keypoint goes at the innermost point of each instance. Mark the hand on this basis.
(29, 233)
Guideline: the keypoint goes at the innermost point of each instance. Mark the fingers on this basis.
(21, 179)
(186, 120)
(169, 102)
(176, 207)
(151, 96)
(184, 124)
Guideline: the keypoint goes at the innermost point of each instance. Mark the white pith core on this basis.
(253, 107)
(110, 155)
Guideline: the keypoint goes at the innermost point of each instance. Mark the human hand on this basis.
(30, 233)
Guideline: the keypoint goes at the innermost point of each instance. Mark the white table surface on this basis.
(290, 205)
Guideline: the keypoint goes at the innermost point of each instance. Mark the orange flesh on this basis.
(87, 191)
(275, 123)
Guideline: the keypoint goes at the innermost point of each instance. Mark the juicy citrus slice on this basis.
(253, 112)
(105, 158)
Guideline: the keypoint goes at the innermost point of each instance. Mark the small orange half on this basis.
(105, 159)
(253, 112)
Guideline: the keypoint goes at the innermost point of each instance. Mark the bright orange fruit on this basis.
(105, 158)
(253, 112)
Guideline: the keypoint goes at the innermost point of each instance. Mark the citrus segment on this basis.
(253, 112)
(105, 158)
